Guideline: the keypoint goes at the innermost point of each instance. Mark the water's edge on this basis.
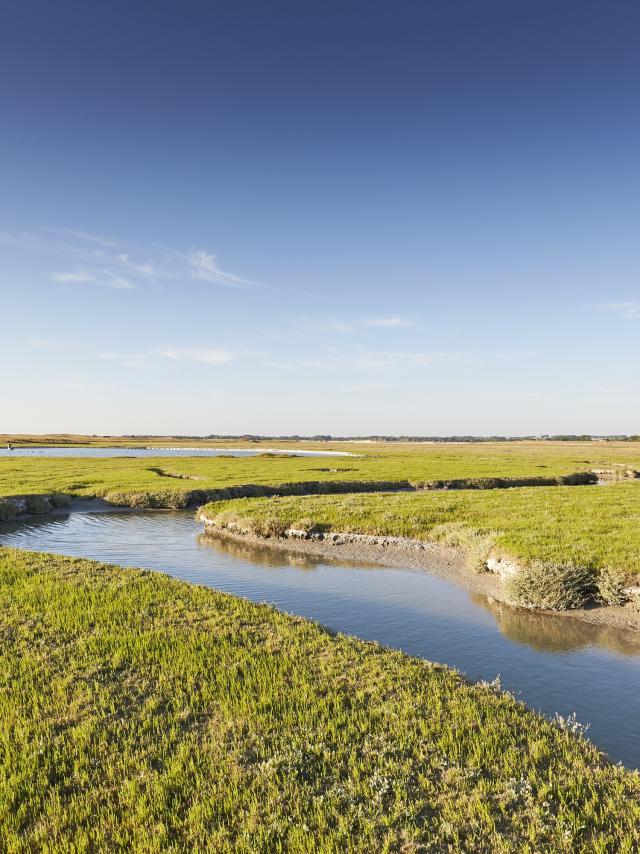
(445, 562)
(555, 663)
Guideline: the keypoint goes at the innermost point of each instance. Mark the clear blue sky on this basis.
(336, 217)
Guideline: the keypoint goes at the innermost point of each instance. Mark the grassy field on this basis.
(591, 526)
(145, 714)
(399, 463)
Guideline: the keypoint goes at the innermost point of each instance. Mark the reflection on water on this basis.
(268, 556)
(557, 633)
(554, 663)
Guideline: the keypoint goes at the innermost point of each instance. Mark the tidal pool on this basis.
(556, 664)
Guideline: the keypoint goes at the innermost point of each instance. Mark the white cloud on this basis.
(377, 360)
(206, 357)
(392, 322)
(79, 276)
(82, 235)
(389, 359)
(45, 343)
(205, 266)
(125, 360)
(363, 388)
(511, 396)
(176, 354)
(322, 326)
(629, 310)
(108, 263)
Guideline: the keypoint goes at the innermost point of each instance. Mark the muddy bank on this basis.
(442, 561)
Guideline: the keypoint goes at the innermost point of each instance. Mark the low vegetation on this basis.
(141, 713)
(479, 498)
(400, 466)
(587, 540)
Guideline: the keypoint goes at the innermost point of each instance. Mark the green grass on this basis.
(590, 526)
(410, 463)
(140, 713)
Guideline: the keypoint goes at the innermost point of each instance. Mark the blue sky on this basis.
(346, 218)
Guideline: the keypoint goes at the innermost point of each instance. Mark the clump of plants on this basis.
(167, 499)
(8, 510)
(552, 586)
(476, 545)
(269, 526)
(59, 500)
(37, 504)
(611, 587)
(308, 526)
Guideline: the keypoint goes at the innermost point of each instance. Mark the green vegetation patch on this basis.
(596, 529)
(141, 713)
(477, 466)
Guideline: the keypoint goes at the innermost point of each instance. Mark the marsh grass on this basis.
(140, 713)
(479, 466)
(595, 530)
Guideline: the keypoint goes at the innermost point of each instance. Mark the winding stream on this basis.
(557, 664)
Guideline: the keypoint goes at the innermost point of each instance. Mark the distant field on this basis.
(141, 713)
(398, 462)
(593, 528)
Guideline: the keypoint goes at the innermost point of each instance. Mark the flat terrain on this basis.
(142, 713)
(584, 537)
(596, 526)
(413, 463)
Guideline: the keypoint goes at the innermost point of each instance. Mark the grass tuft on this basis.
(551, 586)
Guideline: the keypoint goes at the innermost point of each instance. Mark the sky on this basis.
(352, 218)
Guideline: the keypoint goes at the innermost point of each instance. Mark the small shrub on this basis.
(308, 526)
(270, 526)
(8, 510)
(552, 586)
(476, 545)
(59, 500)
(611, 587)
(37, 504)
(578, 478)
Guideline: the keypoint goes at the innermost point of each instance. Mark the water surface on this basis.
(67, 451)
(556, 664)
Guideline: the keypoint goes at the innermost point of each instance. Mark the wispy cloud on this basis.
(82, 235)
(89, 259)
(321, 326)
(511, 396)
(125, 360)
(205, 357)
(205, 267)
(375, 360)
(175, 354)
(388, 359)
(629, 310)
(392, 322)
(365, 388)
(79, 276)
(45, 343)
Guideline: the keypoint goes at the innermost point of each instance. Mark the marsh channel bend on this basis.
(556, 664)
